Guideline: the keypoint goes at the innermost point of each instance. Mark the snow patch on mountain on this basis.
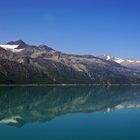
(108, 57)
(130, 61)
(137, 61)
(12, 48)
(119, 60)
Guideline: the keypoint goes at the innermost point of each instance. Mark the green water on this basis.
(70, 113)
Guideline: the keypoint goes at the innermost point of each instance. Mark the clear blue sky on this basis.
(74, 26)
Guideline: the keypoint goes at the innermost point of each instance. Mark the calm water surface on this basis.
(70, 113)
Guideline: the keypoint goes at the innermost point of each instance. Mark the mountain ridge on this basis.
(53, 66)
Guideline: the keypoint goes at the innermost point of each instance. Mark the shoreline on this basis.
(49, 85)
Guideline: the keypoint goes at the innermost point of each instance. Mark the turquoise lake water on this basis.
(70, 113)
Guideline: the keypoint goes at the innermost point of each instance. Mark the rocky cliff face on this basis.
(42, 64)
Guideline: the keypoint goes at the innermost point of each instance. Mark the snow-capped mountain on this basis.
(131, 63)
(13, 48)
(24, 63)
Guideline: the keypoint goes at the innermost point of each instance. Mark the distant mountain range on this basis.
(131, 63)
(21, 63)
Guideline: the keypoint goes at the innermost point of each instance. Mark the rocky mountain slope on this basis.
(43, 65)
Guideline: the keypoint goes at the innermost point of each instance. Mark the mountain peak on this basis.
(21, 44)
(106, 57)
(17, 42)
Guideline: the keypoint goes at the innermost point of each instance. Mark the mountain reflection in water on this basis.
(21, 105)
